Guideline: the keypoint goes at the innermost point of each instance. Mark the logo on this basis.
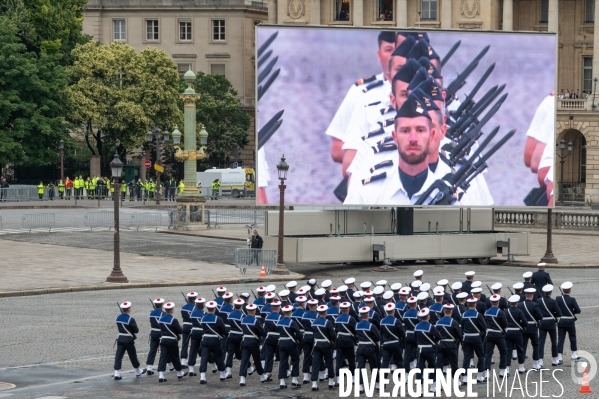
(419, 107)
(587, 363)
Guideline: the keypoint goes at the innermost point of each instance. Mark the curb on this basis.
(200, 235)
(105, 286)
(548, 266)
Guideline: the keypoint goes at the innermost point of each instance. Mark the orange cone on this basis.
(585, 388)
(263, 274)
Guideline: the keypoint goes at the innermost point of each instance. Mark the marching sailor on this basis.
(569, 308)
(290, 338)
(127, 327)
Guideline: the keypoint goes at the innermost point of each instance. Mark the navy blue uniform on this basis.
(473, 327)
(533, 316)
(569, 309)
(392, 338)
(308, 342)
(324, 341)
(170, 330)
(269, 347)
(345, 328)
(368, 339)
(528, 284)
(540, 278)
(154, 336)
(253, 332)
(516, 325)
(290, 338)
(503, 305)
(185, 316)
(451, 336)
(496, 325)
(235, 337)
(467, 286)
(551, 314)
(436, 312)
(427, 337)
(410, 318)
(195, 336)
(127, 327)
(214, 333)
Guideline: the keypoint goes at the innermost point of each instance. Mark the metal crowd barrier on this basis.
(20, 194)
(99, 219)
(178, 219)
(252, 217)
(38, 220)
(247, 258)
(146, 219)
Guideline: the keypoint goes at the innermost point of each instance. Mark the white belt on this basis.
(187, 323)
(197, 329)
(567, 317)
(126, 335)
(322, 340)
(365, 343)
(211, 336)
(308, 332)
(235, 332)
(532, 322)
(344, 333)
(155, 329)
(167, 337)
(512, 329)
(447, 339)
(284, 338)
(409, 332)
(271, 333)
(390, 342)
(424, 346)
(471, 334)
(548, 318)
(495, 331)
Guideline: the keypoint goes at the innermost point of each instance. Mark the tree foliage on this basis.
(117, 95)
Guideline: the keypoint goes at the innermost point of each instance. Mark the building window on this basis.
(184, 30)
(217, 69)
(218, 29)
(183, 68)
(342, 10)
(120, 31)
(587, 74)
(151, 29)
(385, 10)
(590, 11)
(429, 10)
(544, 11)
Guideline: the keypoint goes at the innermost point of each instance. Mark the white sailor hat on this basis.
(302, 291)
(471, 300)
(203, 300)
(358, 294)
(378, 290)
(319, 292)
(334, 290)
(390, 307)
(496, 286)
(418, 273)
(276, 302)
(470, 274)
(369, 299)
(261, 289)
(169, 305)
(342, 288)
(350, 280)
(412, 299)
(313, 301)
(476, 284)
(530, 290)
(518, 286)
(270, 295)
(322, 308)
(476, 290)
(442, 282)
(423, 312)
(158, 301)
(251, 306)
(514, 298)
(438, 291)
(456, 286)
(425, 287)
(326, 283)
(527, 275)
(416, 284)
(335, 298)
(567, 285)
(244, 295)
(495, 298)
(541, 265)
(287, 308)
(221, 289)
(364, 309)
(344, 305)
(422, 296)
(367, 293)
(125, 305)
(192, 294)
(548, 288)
(284, 293)
(388, 295)
(236, 302)
(382, 283)
(462, 295)
(211, 305)
(227, 295)
(448, 306)
(291, 284)
(301, 299)
(312, 281)
(271, 288)
(396, 286)
(404, 291)
(365, 285)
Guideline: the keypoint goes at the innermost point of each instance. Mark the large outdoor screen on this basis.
(380, 117)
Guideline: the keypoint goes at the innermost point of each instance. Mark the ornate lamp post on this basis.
(116, 276)
(282, 168)
(61, 147)
(161, 139)
(562, 146)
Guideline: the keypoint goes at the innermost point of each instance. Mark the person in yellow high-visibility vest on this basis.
(181, 186)
(123, 190)
(61, 189)
(215, 189)
(40, 190)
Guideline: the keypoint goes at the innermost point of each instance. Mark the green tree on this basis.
(220, 111)
(118, 95)
(31, 101)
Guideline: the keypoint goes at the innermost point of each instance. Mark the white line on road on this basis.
(62, 362)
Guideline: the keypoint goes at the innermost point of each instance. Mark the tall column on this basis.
(508, 15)
(272, 11)
(358, 12)
(401, 14)
(189, 98)
(314, 12)
(446, 14)
(596, 46)
(553, 25)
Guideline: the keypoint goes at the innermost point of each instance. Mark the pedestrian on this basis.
(181, 186)
(123, 190)
(128, 329)
(289, 342)
(68, 185)
(215, 189)
(40, 190)
(61, 189)
(170, 330)
(256, 243)
(541, 278)
(214, 332)
(3, 189)
(566, 325)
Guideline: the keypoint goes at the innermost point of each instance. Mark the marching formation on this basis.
(316, 330)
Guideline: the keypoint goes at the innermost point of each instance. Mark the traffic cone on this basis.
(262, 271)
(585, 388)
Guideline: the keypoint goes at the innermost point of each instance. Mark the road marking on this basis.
(69, 382)
(81, 359)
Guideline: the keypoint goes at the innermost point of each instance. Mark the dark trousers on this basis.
(246, 353)
(561, 338)
(426, 359)
(543, 338)
(307, 350)
(392, 352)
(409, 354)
(286, 352)
(366, 353)
(491, 343)
(269, 351)
(447, 356)
(473, 347)
(345, 353)
(322, 355)
(169, 350)
(154, 344)
(194, 350)
(217, 352)
(513, 340)
(184, 343)
(233, 349)
(534, 342)
(61, 194)
(120, 352)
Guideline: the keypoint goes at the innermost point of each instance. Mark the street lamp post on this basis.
(61, 146)
(562, 146)
(161, 139)
(282, 168)
(116, 276)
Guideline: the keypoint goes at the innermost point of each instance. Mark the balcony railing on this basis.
(571, 104)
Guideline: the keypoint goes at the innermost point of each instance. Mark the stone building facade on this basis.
(578, 70)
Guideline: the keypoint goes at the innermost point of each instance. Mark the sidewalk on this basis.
(224, 202)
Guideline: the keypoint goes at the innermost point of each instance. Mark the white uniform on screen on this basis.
(263, 176)
(547, 157)
(542, 126)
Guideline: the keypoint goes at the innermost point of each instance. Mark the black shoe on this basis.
(150, 372)
(171, 369)
(192, 374)
(314, 388)
(241, 384)
(142, 373)
(268, 379)
(252, 372)
(514, 358)
(321, 379)
(282, 386)
(334, 386)
(305, 381)
(162, 380)
(560, 362)
(203, 382)
(118, 378)
(228, 377)
(214, 371)
(296, 385)
(555, 364)
(181, 376)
